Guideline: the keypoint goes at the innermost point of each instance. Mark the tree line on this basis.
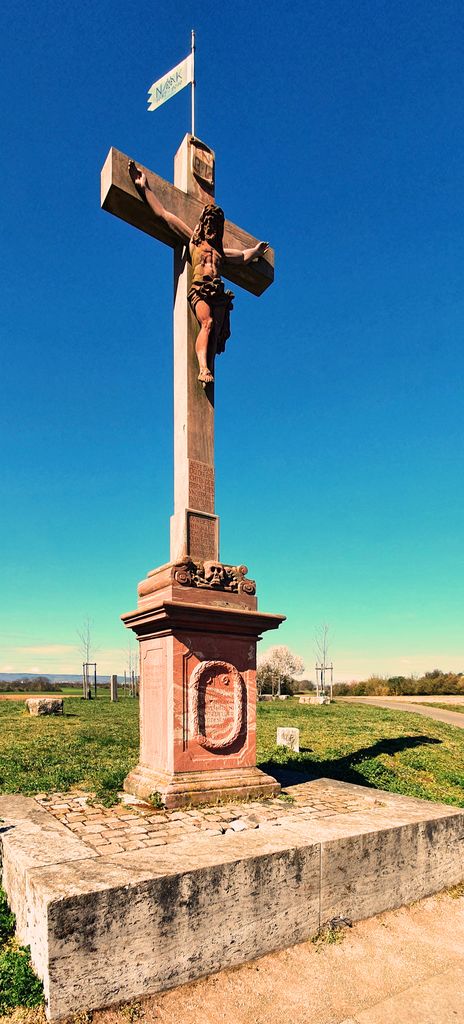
(42, 684)
(27, 684)
(435, 682)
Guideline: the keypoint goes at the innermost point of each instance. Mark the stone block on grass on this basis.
(45, 705)
(312, 699)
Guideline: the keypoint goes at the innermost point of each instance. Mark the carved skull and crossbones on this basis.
(214, 573)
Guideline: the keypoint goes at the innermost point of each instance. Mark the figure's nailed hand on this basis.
(139, 179)
(261, 248)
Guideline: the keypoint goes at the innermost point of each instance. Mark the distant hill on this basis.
(55, 678)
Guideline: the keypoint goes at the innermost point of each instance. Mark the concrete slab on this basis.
(30, 837)
(188, 909)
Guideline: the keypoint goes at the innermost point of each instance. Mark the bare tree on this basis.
(131, 672)
(87, 649)
(321, 643)
(86, 645)
(278, 664)
(133, 665)
(321, 650)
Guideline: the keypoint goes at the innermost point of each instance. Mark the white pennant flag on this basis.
(171, 83)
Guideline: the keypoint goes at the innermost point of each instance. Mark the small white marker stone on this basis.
(287, 737)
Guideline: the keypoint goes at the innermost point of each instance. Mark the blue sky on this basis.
(338, 136)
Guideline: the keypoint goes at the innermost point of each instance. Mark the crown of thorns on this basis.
(217, 213)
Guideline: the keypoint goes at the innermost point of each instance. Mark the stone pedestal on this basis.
(198, 685)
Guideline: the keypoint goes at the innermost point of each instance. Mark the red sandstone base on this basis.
(191, 789)
(197, 690)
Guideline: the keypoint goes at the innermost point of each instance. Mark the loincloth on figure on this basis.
(212, 291)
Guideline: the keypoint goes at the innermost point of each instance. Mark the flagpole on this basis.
(193, 82)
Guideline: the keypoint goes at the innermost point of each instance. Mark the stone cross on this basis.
(197, 622)
(194, 525)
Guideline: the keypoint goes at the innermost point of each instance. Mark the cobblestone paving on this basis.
(134, 825)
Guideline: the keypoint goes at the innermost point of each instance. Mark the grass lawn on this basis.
(95, 743)
(25, 695)
(75, 691)
(368, 745)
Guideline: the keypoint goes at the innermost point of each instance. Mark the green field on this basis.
(75, 691)
(95, 743)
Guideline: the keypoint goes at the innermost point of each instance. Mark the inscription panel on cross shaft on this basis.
(201, 486)
(202, 536)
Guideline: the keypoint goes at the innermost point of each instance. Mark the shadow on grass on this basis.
(297, 769)
(50, 718)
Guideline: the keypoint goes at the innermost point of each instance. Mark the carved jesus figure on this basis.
(208, 298)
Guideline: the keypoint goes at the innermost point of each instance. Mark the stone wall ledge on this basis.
(107, 930)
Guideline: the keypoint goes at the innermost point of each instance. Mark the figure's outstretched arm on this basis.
(140, 181)
(246, 255)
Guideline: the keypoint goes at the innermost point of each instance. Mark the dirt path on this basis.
(428, 710)
(25, 696)
(418, 698)
(403, 967)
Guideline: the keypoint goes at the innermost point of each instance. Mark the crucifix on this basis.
(172, 213)
(197, 619)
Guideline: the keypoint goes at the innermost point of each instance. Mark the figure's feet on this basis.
(205, 376)
(139, 179)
